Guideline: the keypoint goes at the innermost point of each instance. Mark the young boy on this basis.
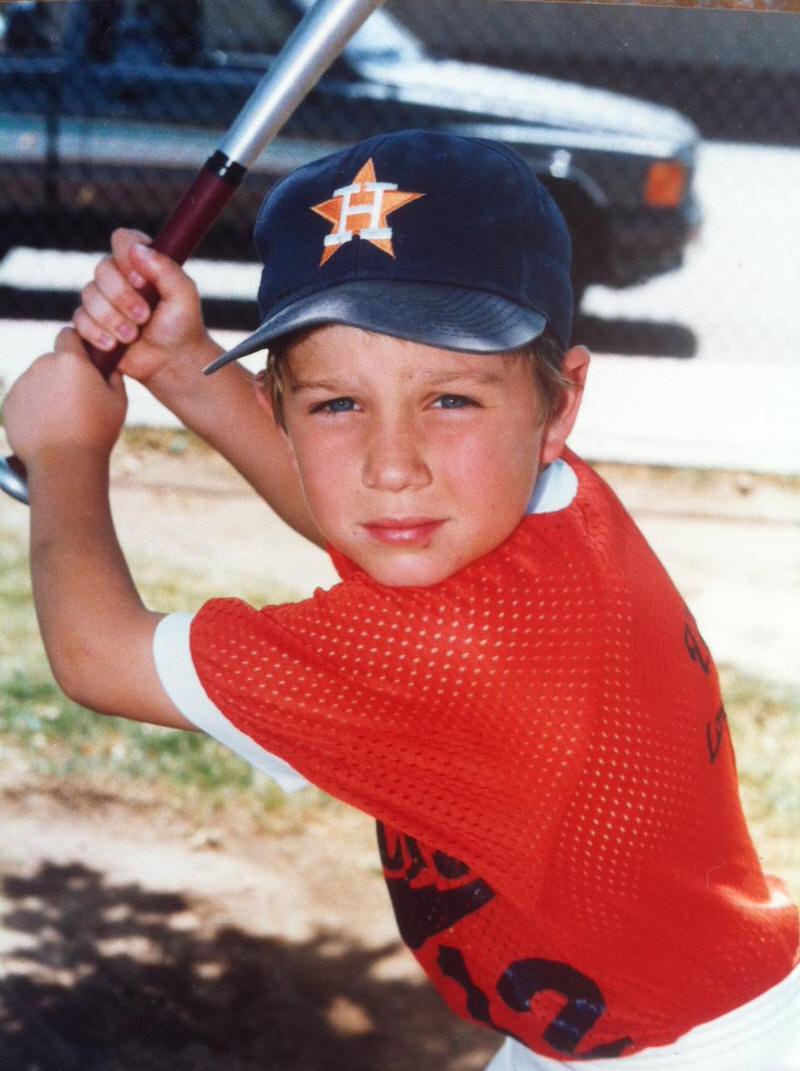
(505, 678)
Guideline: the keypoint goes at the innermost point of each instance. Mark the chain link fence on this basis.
(681, 193)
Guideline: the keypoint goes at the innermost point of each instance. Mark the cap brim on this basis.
(447, 317)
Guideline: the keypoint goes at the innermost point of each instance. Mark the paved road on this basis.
(697, 368)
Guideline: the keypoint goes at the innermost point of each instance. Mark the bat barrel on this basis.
(309, 51)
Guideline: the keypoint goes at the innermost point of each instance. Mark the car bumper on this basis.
(642, 243)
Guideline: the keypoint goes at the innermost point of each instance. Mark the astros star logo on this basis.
(361, 209)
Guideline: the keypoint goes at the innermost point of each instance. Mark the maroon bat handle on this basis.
(189, 223)
(191, 219)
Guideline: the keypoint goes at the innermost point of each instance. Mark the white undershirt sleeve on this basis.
(173, 659)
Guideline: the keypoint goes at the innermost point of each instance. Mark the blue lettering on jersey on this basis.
(426, 904)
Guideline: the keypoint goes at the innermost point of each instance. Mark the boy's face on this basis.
(414, 461)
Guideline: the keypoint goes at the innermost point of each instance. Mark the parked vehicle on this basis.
(108, 109)
(735, 75)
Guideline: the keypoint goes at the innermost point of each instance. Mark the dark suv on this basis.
(108, 107)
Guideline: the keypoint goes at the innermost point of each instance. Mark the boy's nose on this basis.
(394, 461)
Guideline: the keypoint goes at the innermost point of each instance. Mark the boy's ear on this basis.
(560, 424)
(266, 403)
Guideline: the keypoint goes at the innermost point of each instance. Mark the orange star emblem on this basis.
(360, 209)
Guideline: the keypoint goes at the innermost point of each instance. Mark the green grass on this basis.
(765, 727)
(58, 739)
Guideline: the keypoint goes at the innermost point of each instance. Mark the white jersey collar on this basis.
(555, 488)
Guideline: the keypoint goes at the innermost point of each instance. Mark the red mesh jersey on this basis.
(542, 741)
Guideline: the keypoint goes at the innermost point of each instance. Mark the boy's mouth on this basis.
(403, 531)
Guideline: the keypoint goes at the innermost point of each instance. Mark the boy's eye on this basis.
(335, 405)
(453, 401)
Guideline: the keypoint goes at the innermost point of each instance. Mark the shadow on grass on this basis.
(110, 977)
(646, 338)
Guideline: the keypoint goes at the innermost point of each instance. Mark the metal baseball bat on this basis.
(312, 47)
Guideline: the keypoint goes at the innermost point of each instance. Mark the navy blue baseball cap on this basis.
(435, 238)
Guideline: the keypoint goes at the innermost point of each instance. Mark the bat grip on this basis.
(191, 219)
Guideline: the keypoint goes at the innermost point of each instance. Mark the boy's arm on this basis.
(223, 410)
(168, 350)
(62, 419)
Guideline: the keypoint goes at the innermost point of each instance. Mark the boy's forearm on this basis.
(86, 601)
(181, 386)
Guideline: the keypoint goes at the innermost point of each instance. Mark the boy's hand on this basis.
(62, 402)
(113, 310)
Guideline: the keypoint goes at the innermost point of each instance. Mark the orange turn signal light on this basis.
(666, 184)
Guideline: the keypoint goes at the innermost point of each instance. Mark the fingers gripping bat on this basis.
(316, 42)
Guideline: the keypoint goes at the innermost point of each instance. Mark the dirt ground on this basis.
(134, 938)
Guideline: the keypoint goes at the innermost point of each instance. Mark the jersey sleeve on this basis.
(171, 651)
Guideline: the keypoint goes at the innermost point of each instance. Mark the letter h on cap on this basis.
(373, 232)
